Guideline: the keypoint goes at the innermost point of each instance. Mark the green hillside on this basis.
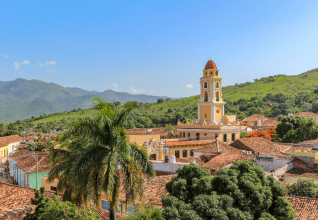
(289, 85)
(23, 110)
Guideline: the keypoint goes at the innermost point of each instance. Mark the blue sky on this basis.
(155, 47)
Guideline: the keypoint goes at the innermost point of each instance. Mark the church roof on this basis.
(210, 65)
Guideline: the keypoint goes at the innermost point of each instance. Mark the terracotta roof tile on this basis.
(256, 145)
(302, 173)
(305, 114)
(10, 139)
(28, 163)
(224, 159)
(22, 152)
(210, 65)
(253, 118)
(12, 196)
(306, 208)
(212, 148)
(271, 122)
(315, 141)
(104, 214)
(200, 160)
(291, 149)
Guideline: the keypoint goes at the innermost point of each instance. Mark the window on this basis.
(183, 134)
(216, 73)
(233, 136)
(217, 96)
(205, 134)
(105, 204)
(191, 153)
(188, 135)
(216, 136)
(205, 115)
(185, 153)
(53, 188)
(206, 74)
(198, 136)
(217, 84)
(177, 153)
(206, 96)
(180, 134)
(205, 85)
(224, 138)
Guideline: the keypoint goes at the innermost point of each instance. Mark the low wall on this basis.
(270, 163)
(281, 170)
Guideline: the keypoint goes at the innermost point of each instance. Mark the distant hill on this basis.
(18, 98)
(289, 85)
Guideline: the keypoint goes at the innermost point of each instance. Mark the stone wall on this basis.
(17, 213)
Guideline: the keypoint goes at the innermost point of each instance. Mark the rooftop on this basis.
(253, 118)
(306, 208)
(258, 144)
(143, 131)
(224, 159)
(217, 147)
(305, 114)
(4, 141)
(188, 143)
(302, 173)
(210, 65)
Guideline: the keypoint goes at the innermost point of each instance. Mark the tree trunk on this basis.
(112, 214)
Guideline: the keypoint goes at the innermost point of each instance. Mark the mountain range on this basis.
(21, 98)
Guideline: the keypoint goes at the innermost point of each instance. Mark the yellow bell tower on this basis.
(211, 105)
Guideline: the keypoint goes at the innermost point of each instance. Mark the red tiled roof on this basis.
(22, 152)
(306, 208)
(302, 173)
(12, 196)
(28, 163)
(315, 141)
(271, 122)
(187, 143)
(200, 160)
(210, 65)
(256, 145)
(253, 118)
(291, 149)
(10, 139)
(104, 214)
(212, 148)
(305, 114)
(224, 159)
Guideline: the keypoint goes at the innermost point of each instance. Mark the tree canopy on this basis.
(239, 192)
(296, 129)
(304, 188)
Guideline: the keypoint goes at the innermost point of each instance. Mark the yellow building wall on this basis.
(229, 117)
(141, 138)
(47, 185)
(4, 151)
(218, 113)
(205, 109)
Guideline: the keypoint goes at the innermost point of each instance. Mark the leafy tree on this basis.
(316, 91)
(284, 108)
(243, 134)
(146, 214)
(98, 173)
(253, 111)
(280, 98)
(56, 210)
(160, 101)
(239, 192)
(304, 188)
(296, 129)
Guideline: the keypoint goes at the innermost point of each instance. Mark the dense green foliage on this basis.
(146, 214)
(95, 153)
(54, 209)
(296, 129)
(304, 188)
(240, 192)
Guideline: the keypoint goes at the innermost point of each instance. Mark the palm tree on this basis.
(101, 158)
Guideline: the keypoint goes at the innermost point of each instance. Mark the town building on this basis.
(212, 123)
(258, 122)
(8, 144)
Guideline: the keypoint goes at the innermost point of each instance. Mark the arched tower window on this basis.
(216, 73)
(217, 96)
(205, 85)
(205, 96)
(206, 74)
(217, 84)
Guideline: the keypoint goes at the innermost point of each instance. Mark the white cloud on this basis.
(189, 86)
(153, 91)
(51, 71)
(25, 62)
(114, 86)
(4, 55)
(48, 63)
(16, 66)
(137, 90)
